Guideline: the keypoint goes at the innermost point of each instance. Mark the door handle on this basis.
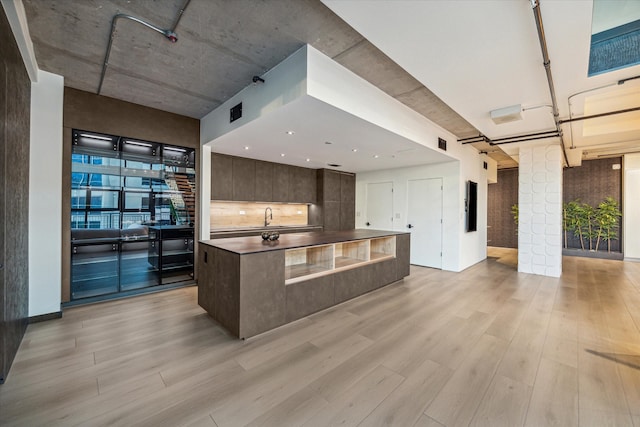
(409, 226)
(368, 224)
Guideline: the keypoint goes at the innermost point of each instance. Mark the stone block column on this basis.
(540, 211)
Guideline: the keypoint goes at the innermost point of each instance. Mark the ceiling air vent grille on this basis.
(235, 113)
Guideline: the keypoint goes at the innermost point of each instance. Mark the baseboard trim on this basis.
(45, 317)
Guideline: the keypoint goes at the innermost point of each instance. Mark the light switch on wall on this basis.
(397, 215)
(357, 214)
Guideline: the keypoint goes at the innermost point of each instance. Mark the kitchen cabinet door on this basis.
(347, 215)
(331, 213)
(347, 188)
(331, 186)
(309, 187)
(244, 179)
(302, 185)
(221, 177)
(264, 182)
(281, 182)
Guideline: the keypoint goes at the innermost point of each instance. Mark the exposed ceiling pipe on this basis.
(535, 4)
(524, 139)
(595, 116)
(168, 33)
(527, 135)
(510, 139)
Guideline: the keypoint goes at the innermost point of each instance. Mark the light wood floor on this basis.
(487, 346)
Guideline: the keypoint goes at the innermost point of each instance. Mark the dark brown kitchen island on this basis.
(251, 286)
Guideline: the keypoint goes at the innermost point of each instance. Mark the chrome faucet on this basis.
(268, 216)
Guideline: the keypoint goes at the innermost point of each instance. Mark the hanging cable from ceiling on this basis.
(170, 34)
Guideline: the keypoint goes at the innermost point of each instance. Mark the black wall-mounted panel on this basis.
(472, 206)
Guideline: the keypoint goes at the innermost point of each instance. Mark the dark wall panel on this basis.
(87, 111)
(502, 231)
(591, 183)
(15, 97)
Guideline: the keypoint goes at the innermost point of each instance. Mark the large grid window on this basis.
(124, 194)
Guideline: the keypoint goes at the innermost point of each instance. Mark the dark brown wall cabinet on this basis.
(337, 200)
(247, 180)
(15, 103)
(264, 181)
(280, 182)
(244, 179)
(222, 176)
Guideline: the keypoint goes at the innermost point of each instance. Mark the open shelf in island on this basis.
(307, 261)
(315, 261)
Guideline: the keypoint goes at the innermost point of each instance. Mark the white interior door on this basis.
(379, 214)
(424, 221)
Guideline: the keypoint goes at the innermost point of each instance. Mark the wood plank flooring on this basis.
(485, 347)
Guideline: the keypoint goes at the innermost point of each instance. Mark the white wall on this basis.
(45, 194)
(631, 207)
(205, 192)
(460, 249)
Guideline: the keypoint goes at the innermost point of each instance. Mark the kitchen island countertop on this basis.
(255, 244)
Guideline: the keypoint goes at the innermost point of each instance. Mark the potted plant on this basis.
(606, 220)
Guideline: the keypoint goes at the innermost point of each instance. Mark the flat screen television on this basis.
(472, 206)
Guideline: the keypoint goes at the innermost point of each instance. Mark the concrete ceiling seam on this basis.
(170, 34)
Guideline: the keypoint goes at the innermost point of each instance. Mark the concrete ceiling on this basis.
(221, 45)
(452, 64)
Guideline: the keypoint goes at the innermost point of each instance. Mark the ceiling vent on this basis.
(507, 114)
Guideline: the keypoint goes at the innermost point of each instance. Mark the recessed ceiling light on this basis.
(328, 142)
(246, 148)
(308, 160)
(282, 155)
(375, 156)
(290, 132)
(354, 150)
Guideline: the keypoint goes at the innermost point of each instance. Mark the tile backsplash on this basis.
(247, 214)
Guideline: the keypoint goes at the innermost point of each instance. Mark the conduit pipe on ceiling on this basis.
(168, 33)
(595, 116)
(510, 139)
(535, 4)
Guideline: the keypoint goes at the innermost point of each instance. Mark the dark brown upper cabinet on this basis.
(280, 182)
(331, 186)
(221, 177)
(244, 179)
(264, 181)
(241, 179)
(302, 185)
